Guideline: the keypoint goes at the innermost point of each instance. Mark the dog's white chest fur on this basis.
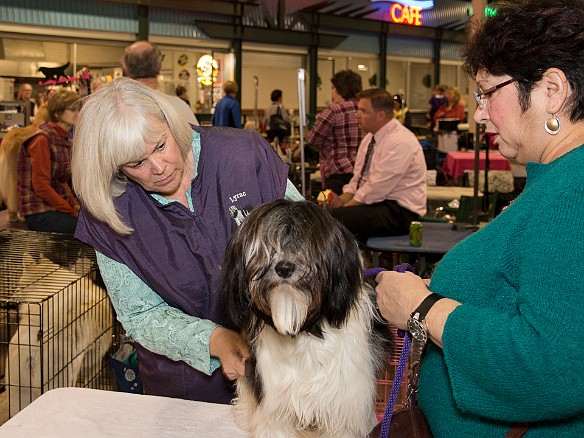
(312, 386)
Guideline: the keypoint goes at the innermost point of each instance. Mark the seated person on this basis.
(436, 101)
(388, 188)
(452, 109)
(45, 198)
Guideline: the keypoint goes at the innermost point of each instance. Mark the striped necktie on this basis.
(367, 162)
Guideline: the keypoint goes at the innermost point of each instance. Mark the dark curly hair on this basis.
(527, 37)
(347, 83)
(275, 96)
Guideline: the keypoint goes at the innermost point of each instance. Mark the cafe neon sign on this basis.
(407, 12)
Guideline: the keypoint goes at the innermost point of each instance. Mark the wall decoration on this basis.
(373, 81)
(184, 75)
(182, 60)
(55, 75)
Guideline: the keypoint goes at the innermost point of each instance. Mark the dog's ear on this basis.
(234, 288)
(344, 279)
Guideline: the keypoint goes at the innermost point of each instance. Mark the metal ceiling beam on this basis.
(222, 7)
(143, 23)
(370, 11)
(326, 18)
(335, 10)
(230, 32)
(319, 6)
(281, 14)
(350, 12)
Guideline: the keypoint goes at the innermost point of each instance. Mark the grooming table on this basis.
(91, 413)
(439, 238)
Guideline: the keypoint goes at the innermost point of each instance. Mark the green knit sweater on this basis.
(514, 351)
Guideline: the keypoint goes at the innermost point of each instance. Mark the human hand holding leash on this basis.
(231, 350)
(399, 294)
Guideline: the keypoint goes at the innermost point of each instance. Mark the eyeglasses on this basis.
(481, 96)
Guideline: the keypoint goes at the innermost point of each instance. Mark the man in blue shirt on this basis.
(227, 112)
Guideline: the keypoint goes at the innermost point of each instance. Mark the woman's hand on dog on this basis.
(231, 350)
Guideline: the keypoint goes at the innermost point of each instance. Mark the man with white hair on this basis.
(25, 95)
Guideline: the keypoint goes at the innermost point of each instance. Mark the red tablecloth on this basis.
(457, 162)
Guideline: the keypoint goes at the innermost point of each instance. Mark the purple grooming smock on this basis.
(179, 253)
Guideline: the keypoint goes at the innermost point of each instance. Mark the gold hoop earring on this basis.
(552, 125)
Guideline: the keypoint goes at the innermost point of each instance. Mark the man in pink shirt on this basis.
(388, 187)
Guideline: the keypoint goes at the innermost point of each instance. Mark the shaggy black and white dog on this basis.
(294, 286)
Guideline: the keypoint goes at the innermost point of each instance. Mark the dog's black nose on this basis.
(284, 269)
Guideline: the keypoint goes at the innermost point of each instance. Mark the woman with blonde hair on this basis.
(436, 101)
(452, 109)
(160, 199)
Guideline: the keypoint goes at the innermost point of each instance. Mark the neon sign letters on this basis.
(407, 12)
(405, 15)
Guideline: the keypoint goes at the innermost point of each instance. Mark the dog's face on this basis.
(293, 266)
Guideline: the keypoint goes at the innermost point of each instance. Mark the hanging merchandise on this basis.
(55, 75)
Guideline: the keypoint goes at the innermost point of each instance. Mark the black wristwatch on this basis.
(417, 323)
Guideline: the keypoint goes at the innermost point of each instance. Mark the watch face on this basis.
(417, 329)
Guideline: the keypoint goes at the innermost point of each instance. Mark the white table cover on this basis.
(89, 413)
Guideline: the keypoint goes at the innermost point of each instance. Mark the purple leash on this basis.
(401, 367)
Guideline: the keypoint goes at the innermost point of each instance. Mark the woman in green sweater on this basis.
(505, 309)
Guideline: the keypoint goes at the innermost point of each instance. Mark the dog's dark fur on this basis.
(293, 282)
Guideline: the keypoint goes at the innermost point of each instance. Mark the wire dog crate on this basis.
(56, 321)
